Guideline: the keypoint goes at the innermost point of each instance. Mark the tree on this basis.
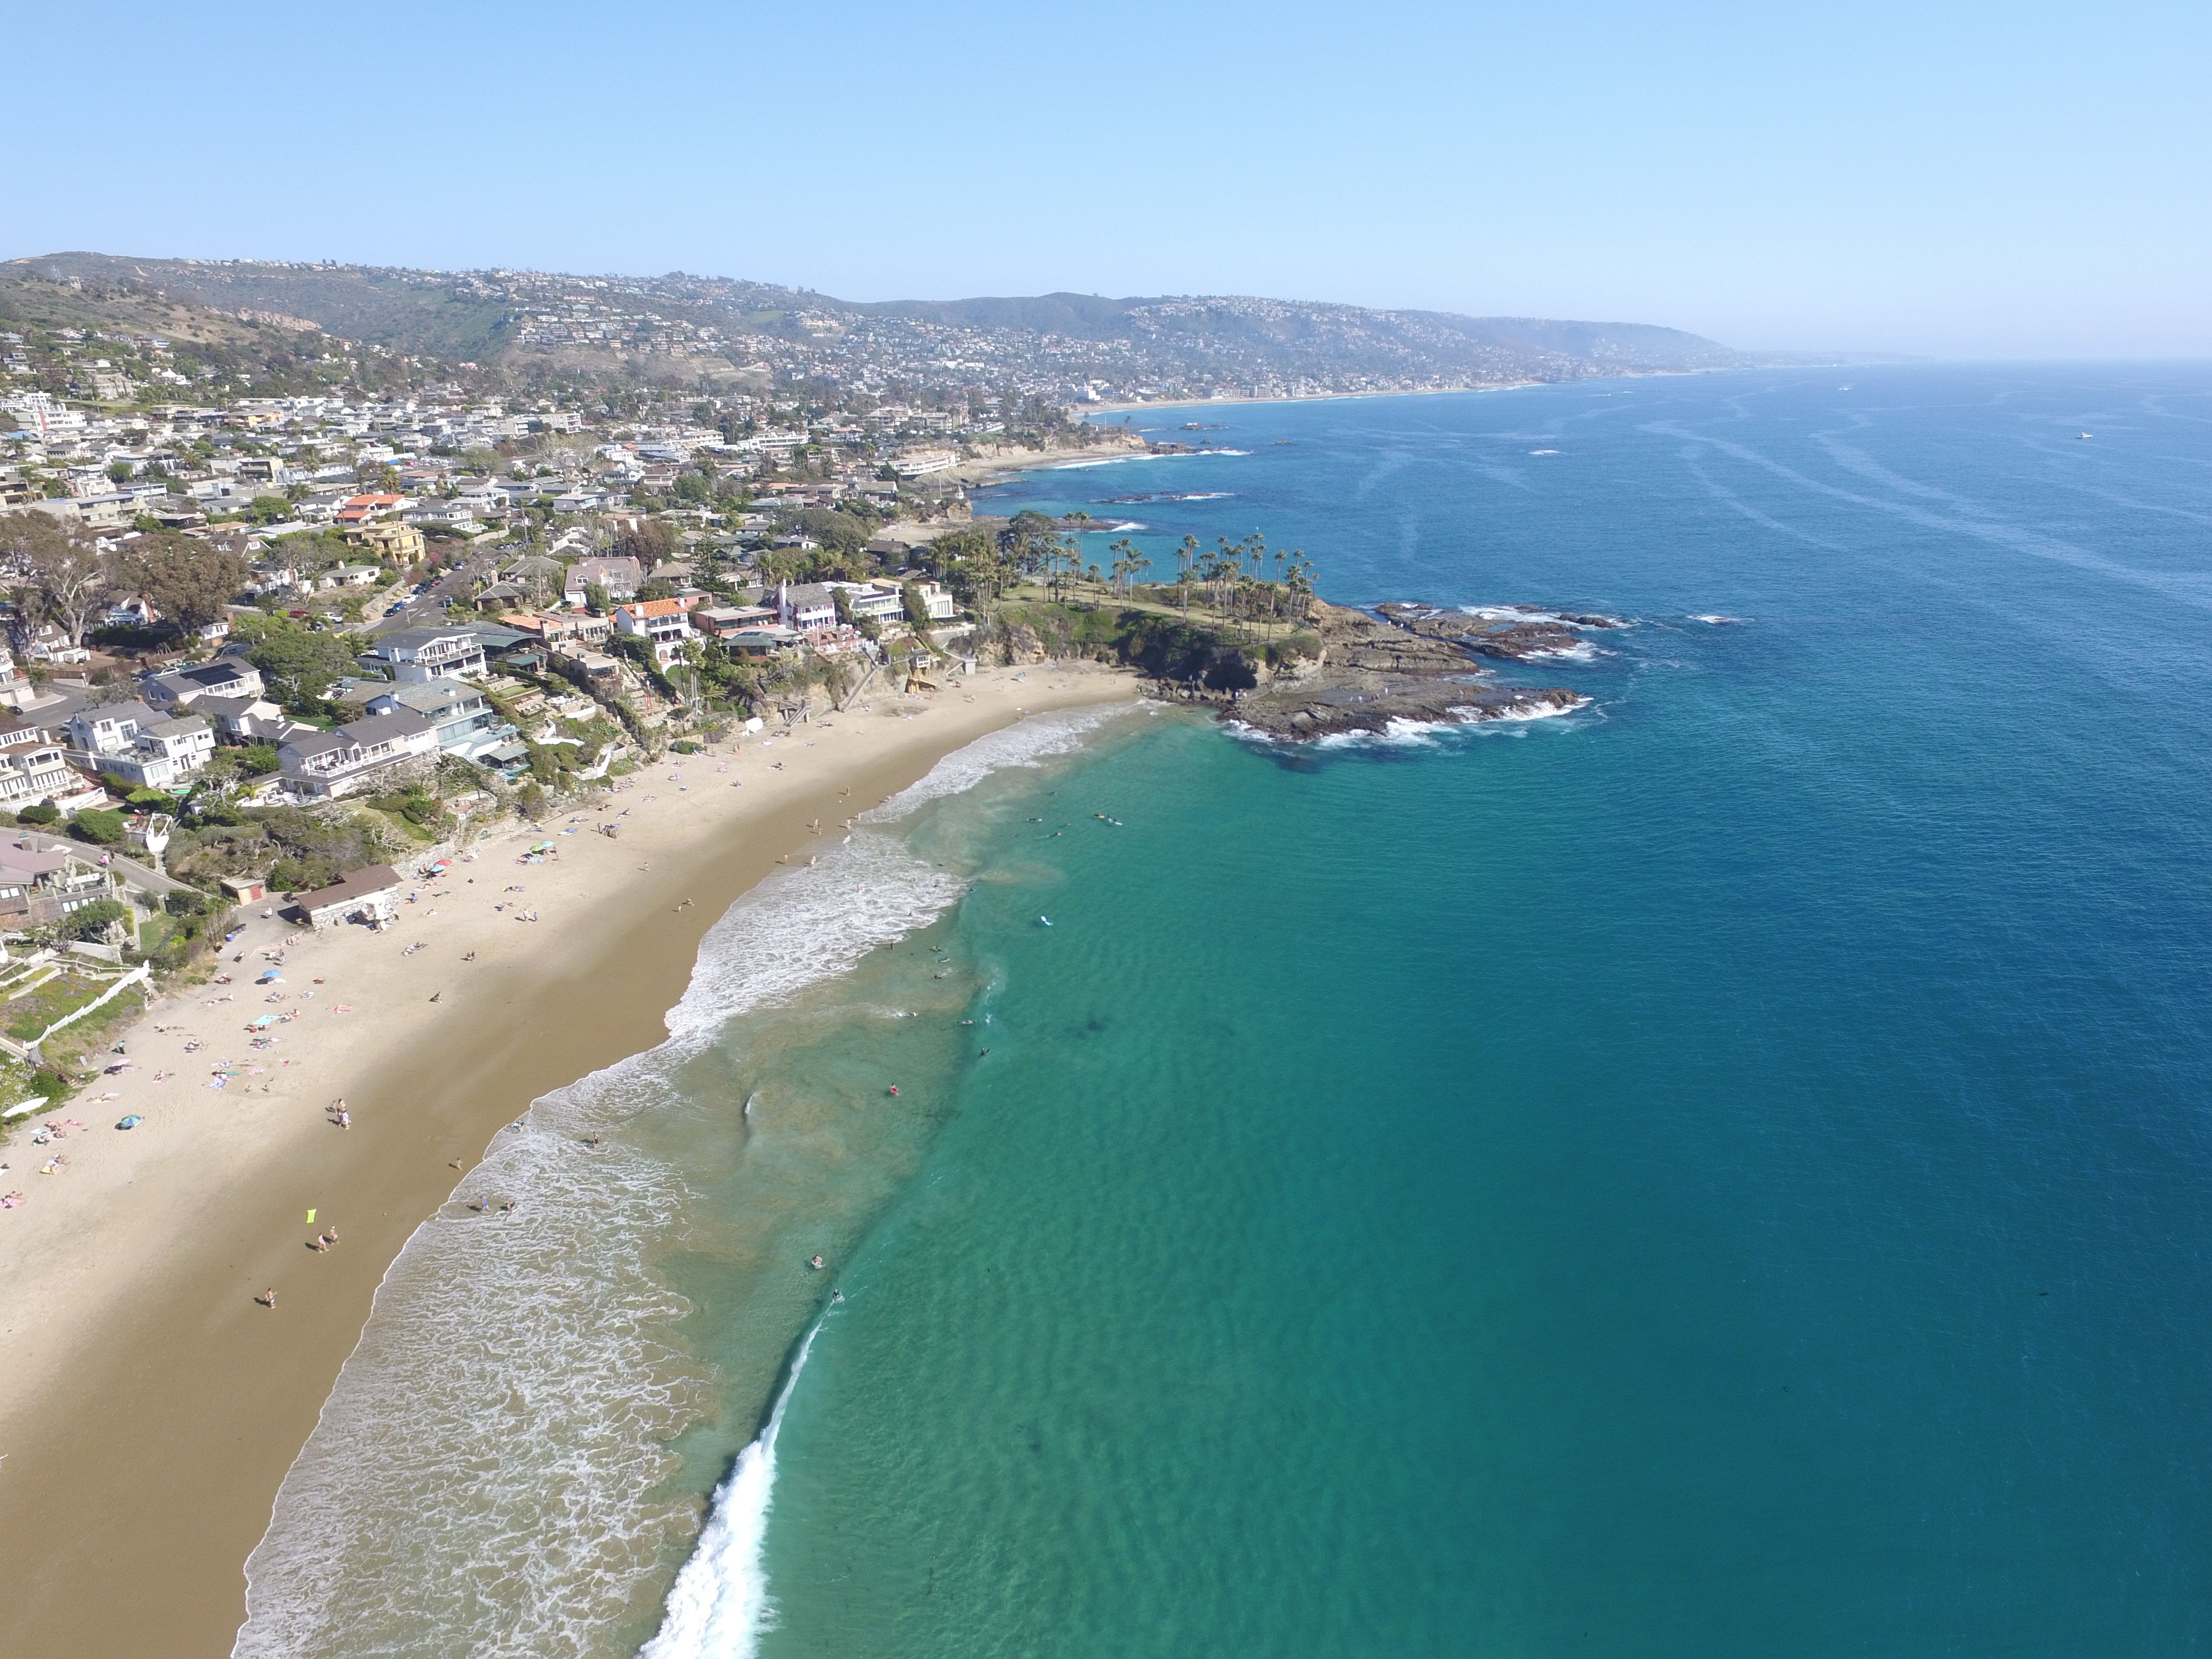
(297, 661)
(70, 576)
(191, 582)
(649, 541)
(92, 920)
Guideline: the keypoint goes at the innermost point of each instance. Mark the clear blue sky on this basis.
(1965, 180)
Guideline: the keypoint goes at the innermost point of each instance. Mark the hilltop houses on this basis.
(620, 576)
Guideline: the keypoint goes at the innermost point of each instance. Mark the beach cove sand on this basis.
(150, 1404)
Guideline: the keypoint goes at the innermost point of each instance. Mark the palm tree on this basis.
(1187, 557)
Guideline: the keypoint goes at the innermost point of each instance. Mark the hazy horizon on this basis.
(1984, 184)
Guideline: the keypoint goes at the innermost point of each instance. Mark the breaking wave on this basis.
(720, 1603)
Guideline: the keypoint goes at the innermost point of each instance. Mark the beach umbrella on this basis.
(130, 1122)
(269, 978)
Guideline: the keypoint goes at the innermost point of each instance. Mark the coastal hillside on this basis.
(533, 326)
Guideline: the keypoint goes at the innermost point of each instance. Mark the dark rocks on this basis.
(1375, 674)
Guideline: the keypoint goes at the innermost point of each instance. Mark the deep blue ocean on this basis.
(1722, 1173)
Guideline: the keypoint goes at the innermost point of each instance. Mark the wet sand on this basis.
(148, 1406)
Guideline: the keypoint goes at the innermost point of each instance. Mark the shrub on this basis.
(101, 829)
(91, 921)
(257, 759)
(41, 812)
(186, 902)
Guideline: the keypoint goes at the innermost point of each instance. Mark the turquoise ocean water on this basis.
(1722, 1173)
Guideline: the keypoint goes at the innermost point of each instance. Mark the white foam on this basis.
(1128, 460)
(720, 1605)
(487, 1476)
(1026, 744)
(1419, 734)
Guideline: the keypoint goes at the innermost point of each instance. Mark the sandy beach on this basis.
(150, 1404)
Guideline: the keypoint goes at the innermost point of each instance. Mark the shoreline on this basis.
(151, 1407)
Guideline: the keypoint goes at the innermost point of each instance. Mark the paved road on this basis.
(424, 610)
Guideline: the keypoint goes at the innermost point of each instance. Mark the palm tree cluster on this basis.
(1237, 577)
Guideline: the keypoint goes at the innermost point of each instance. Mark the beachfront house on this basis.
(421, 654)
(463, 717)
(878, 601)
(137, 746)
(370, 896)
(375, 752)
(808, 607)
(663, 625)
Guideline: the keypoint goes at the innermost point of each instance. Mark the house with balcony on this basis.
(34, 768)
(362, 754)
(463, 718)
(663, 625)
(423, 654)
(139, 747)
(808, 608)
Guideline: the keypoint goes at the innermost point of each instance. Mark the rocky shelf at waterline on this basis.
(1406, 664)
(1518, 633)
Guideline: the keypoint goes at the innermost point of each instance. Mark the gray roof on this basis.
(431, 697)
(415, 638)
(385, 728)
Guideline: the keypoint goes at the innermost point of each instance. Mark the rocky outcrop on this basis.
(1412, 664)
(1517, 633)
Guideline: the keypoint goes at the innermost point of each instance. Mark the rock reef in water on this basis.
(1518, 633)
(1412, 662)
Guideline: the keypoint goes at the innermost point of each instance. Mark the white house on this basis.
(621, 576)
(32, 769)
(138, 746)
(431, 653)
(181, 688)
(663, 623)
